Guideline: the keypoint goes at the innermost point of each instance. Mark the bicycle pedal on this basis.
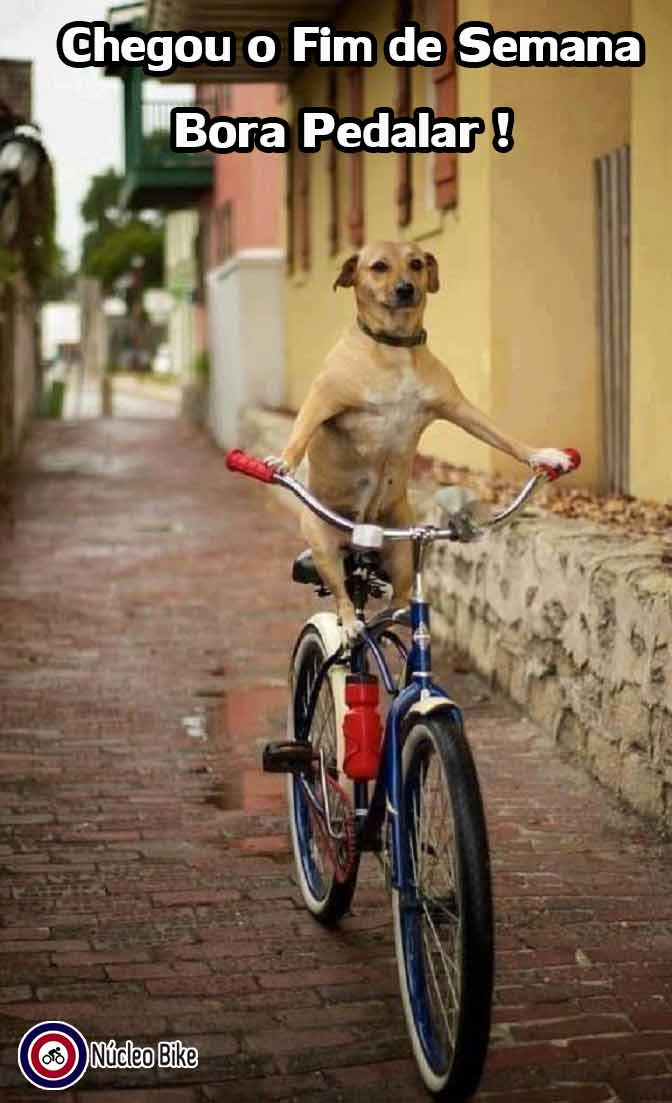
(288, 758)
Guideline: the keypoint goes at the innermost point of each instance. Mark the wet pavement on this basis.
(131, 397)
(146, 616)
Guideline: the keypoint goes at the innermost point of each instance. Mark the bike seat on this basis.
(304, 569)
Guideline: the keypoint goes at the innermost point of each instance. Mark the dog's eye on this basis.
(416, 264)
(379, 266)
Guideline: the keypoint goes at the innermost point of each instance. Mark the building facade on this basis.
(554, 258)
(223, 262)
(514, 234)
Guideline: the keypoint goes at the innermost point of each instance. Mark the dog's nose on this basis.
(405, 290)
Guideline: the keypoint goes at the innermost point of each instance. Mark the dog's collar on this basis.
(390, 339)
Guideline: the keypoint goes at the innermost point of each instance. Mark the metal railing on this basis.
(155, 123)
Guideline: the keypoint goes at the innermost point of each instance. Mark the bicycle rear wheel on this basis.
(326, 892)
(443, 927)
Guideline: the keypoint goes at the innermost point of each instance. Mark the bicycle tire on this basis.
(450, 1067)
(327, 898)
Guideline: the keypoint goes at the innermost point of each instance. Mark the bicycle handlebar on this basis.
(237, 460)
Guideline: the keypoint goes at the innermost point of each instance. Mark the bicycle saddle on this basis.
(305, 571)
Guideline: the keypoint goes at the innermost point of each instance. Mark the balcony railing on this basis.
(156, 176)
(155, 147)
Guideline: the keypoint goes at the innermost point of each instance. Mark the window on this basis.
(297, 198)
(290, 170)
(303, 166)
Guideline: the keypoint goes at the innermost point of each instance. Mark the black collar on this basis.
(390, 339)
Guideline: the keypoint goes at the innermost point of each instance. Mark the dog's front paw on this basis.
(278, 464)
(550, 457)
(351, 628)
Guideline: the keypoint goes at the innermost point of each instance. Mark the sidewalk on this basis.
(146, 617)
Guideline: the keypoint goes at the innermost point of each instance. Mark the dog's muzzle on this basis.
(404, 293)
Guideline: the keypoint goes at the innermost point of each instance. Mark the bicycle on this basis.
(54, 1055)
(424, 819)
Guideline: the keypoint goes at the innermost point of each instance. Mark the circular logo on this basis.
(53, 1055)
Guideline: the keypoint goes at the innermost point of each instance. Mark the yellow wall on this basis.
(546, 367)
(458, 317)
(651, 375)
(516, 314)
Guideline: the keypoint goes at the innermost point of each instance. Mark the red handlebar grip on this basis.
(237, 460)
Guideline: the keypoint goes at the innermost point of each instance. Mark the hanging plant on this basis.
(9, 266)
(35, 238)
(32, 249)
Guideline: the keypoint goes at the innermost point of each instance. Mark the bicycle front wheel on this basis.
(326, 892)
(443, 926)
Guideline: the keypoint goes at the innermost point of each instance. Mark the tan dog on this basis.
(365, 412)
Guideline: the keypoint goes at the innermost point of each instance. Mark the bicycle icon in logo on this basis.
(53, 1055)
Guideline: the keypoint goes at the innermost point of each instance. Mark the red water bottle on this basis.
(362, 727)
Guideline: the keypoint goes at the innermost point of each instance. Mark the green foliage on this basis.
(100, 206)
(201, 366)
(112, 256)
(61, 282)
(9, 265)
(33, 247)
(114, 237)
(157, 145)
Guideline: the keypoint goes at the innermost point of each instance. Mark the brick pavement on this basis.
(146, 614)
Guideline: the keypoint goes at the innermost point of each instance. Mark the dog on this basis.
(365, 412)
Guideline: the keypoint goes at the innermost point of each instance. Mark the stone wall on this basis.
(573, 621)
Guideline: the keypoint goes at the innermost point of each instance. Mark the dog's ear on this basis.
(432, 272)
(346, 276)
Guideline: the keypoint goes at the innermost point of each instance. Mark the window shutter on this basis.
(355, 161)
(332, 170)
(445, 82)
(403, 108)
(303, 190)
(290, 172)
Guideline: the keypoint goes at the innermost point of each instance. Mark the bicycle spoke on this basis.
(433, 869)
(440, 1001)
(323, 737)
(449, 966)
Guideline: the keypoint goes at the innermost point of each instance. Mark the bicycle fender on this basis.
(428, 706)
(329, 629)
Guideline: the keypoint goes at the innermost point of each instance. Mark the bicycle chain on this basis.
(342, 868)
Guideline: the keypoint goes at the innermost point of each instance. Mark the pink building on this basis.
(246, 190)
(244, 268)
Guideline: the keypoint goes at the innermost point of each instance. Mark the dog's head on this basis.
(391, 281)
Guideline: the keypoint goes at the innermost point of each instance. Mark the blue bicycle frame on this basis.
(417, 685)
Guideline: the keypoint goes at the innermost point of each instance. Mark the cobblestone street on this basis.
(146, 619)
